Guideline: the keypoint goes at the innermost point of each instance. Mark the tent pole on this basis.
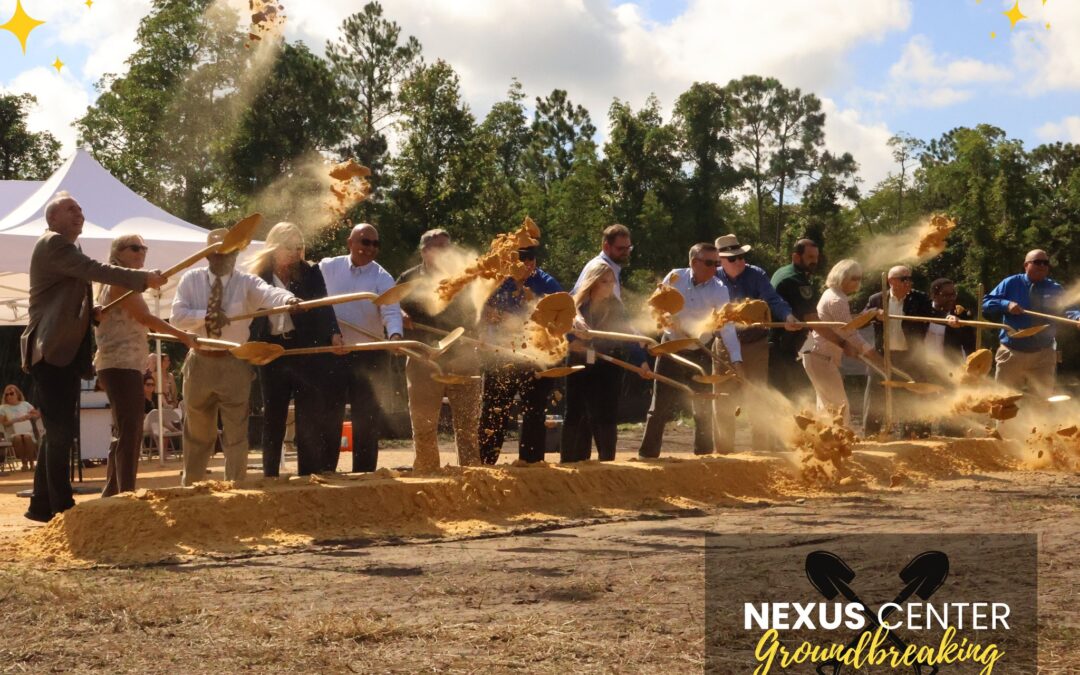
(160, 395)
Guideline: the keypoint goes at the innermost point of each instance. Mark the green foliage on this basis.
(24, 154)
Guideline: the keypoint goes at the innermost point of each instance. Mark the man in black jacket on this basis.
(906, 350)
(952, 343)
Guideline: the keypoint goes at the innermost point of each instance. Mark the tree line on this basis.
(189, 129)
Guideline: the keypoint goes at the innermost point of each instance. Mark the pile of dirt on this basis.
(977, 366)
(665, 302)
(933, 236)
(1056, 450)
(824, 444)
(744, 312)
(349, 186)
(998, 407)
(222, 519)
(267, 20)
(501, 261)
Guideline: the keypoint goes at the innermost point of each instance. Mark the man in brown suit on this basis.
(56, 343)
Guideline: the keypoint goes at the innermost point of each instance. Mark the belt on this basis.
(282, 338)
(213, 353)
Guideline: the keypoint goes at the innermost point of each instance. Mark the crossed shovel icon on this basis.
(830, 575)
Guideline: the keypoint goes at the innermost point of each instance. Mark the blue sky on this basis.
(880, 66)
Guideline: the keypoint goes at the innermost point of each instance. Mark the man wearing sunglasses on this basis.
(906, 340)
(615, 249)
(503, 380)
(703, 293)
(1033, 360)
(362, 376)
(748, 282)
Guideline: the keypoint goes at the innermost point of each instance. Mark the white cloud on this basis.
(923, 78)
(61, 100)
(1048, 57)
(846, 131)
(1067, 130)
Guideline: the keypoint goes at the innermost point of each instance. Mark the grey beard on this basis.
(221, 266)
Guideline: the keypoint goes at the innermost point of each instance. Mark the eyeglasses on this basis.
(624, 249)
(526, 255)
(137, 248)
(149, 383)
(9, 393)
(370, 242)
(735, 258)
(1040, 263)
(708, 263)
(903, 280)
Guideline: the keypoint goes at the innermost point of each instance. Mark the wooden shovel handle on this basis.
(1052, 317)
(641, 372)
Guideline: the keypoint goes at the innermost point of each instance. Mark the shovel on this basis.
(1052, 317)
(202, 342)
(449, 337)
(236, 239)
(390, 297)
(558, 371)
(641, 372)
(655, 348)
(861, 321)
(262, 353)
(1012, 332)
(800, 324)
(911, 385)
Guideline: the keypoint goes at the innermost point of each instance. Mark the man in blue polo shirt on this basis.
(745, 281)
(503, 380)
(1033, 360)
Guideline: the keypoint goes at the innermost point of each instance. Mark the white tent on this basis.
(111, 209)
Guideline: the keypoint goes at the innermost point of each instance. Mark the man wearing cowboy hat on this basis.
(215, 381)
(748, 282)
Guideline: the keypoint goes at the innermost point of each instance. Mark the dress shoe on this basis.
(38, 517)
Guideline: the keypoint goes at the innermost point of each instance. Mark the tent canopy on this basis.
(110, 208)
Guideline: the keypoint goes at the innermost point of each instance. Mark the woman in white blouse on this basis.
(825, 348)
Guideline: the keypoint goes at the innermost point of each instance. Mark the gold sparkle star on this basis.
(1014, 14)
(58, 64)
(21, 24)
(89, 3)
(993, 35)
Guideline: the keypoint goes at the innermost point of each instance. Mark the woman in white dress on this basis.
(17, 415)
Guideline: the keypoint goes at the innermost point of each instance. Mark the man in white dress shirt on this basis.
(615, 249)
(355, 273)
(703, 293)
(215, 381)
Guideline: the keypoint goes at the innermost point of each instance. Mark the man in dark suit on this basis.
(56, 342)
(953, 343)
(906, 350)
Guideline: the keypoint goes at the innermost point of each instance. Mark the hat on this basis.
(216, 236)
(728, 245)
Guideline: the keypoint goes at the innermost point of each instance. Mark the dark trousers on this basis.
(592, 405)
(905, 403)
(57, 390)
(316, 422)
(125, 390)
(356, 375)
(787, 375)
(667, 399)
(500, 386)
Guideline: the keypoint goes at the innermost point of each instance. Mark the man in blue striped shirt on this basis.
(1033, 360)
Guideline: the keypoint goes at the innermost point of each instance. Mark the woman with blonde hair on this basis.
(592, 395)
(120, 359)
(825, 348)
(303, 379)
(17, 417)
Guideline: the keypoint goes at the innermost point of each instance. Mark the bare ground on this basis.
(624, 596)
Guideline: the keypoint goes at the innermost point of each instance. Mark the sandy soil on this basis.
(623, 595)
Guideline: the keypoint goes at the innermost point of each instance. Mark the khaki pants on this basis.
(213, 385)
(1035, 369)
(824, 374)
(425, 402)
(755, 360)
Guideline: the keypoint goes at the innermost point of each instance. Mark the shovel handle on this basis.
(641, 373)
(202, 342)
(373, 336)
(800, 324)
(306, 305)
(959, 322)
(1052, 317)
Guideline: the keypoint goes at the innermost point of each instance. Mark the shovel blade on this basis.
(1028, 332)
(928, 570)
(672, 346)
(450, 339)
(240, 235)
(827, 572)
